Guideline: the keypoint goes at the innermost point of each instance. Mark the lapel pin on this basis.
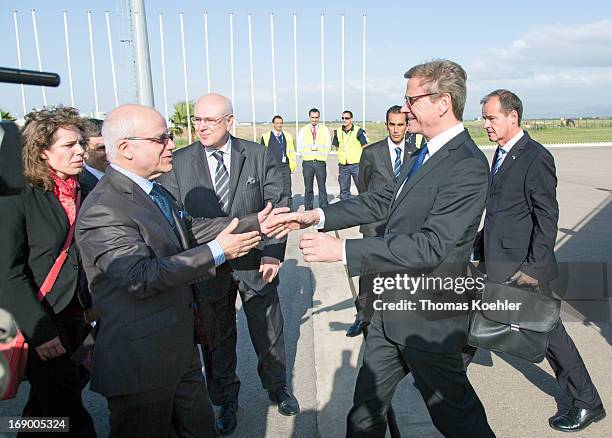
(514, 157)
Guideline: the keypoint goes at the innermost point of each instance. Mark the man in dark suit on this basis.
(432, 214)
(95, 155)
(518, 239)
(379, 165)
(223, 176)
(135, 245)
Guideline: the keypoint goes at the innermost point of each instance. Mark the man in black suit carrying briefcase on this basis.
(518, 240)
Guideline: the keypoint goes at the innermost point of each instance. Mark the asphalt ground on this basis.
(322, 363)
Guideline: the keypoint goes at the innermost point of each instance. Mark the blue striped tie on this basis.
(221, 181)
(160, 199)
(498, 161)
(397, 165)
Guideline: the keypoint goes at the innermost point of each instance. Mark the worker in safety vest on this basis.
(283, 150)
(350, 140)
(314, 144)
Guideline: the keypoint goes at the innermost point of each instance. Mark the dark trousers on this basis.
(453, 405)
(56, 384)
(266, 325)
(568, 366)
(178, 410)
(345, 172)
(310, 170)
(286, 174)
(365, 298)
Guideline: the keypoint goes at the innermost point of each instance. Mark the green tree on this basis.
(179, 118)
(5, 115)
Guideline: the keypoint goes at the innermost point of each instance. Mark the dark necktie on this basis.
(397, 165)
(160, 199)
(221, 181)
(419, 161)
(498, 161)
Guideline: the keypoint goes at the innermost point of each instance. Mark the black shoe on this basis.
(577, 419)
(287, 403)
(357, 327)
(226, 421)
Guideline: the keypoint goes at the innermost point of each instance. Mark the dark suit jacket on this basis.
(139, 271)
(376, 171)
(520, 225)
(255, 179)
(34, 230)
(430, 225)
(87, 180)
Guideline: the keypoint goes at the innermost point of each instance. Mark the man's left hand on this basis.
(321, 247)
(523, 279)
(269, 267)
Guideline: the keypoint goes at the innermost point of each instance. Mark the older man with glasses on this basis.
(217, 176)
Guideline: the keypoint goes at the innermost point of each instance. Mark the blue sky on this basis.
(556, 57)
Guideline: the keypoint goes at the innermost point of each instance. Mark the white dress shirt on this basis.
(212, 161)
(510, 144)
(392, 147)
(95, 172)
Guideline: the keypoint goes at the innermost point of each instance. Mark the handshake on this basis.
(278, 223)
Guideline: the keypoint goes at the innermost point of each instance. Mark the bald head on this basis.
(126, 121)
(213, 119)
(215, 102)
(136, 139)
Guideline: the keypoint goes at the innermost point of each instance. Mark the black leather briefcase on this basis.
(517, 321)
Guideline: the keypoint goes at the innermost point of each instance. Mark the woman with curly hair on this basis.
(35, 228)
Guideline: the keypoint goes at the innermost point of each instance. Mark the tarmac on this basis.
(519, 397)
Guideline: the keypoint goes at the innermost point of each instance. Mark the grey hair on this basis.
(114, 130)
(443, 76)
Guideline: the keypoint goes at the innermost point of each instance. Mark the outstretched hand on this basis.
(321, 247)
(295, 221)
(237, 245)
(269, 219)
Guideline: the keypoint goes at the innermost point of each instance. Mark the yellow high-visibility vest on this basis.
(349, 147)
(310, 149)
(290, 148)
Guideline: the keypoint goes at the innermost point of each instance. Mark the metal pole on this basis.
(322, 68)
(342, 58)
(295, 74)
(141, 47)
(231, 17)
(93, 63)
(363, 88)
(252, 81)
(68, 58)
(206, 45)
(163, 64)
(112, 59)
(23, 101)
(185, 77)
(273, 63)
(44, 94)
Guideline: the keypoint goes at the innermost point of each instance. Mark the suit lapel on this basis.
(427, 167)
(199, 166)
(58, 211)
(237, 161)
(386, 157)
(129, 187)
(511, 157)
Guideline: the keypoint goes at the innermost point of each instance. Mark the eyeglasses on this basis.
(410, 100)
(162, 139)
(346, 118)
(211, 123)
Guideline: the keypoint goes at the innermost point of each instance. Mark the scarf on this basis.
(65, 191)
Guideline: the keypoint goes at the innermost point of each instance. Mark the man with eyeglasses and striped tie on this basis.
(221, 175)
(380, 164)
